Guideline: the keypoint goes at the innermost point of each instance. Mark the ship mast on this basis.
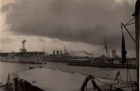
(23, 44)
(137, 29)
(106, 48)
(23, 49)
(136, 39)
(137, 45)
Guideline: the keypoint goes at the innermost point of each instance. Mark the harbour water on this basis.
(108, 73)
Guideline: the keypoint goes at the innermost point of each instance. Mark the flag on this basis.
(124, 52)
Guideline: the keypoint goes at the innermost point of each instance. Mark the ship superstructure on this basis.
(23, 56)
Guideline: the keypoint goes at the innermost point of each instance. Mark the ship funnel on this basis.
(114, 54)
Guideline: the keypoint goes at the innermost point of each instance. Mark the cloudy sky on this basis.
(77, 24)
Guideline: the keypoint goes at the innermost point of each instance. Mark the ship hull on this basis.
(105, 65)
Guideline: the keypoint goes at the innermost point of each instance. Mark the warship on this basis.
(44, 79)
(64, 56)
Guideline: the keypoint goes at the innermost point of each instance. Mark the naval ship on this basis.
(23, 56)
(64, 56)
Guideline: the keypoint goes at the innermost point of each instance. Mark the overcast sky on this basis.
(76, 24)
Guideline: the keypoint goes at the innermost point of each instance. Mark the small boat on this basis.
(44, 79)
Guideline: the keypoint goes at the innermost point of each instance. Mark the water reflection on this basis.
(110, 73)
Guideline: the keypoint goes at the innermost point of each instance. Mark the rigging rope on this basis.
(88, 78)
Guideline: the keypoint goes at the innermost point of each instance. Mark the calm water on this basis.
(109, 73)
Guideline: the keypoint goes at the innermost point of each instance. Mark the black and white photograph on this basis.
(69, 45)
